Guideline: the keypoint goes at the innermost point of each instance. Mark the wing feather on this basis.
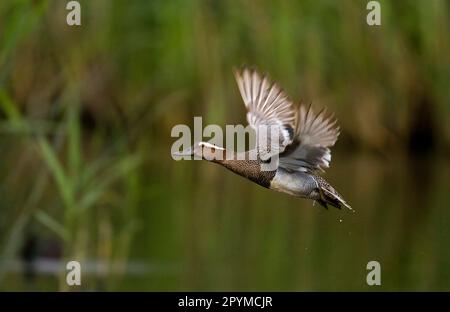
(315, 134)
(267, 106)
(305, 136)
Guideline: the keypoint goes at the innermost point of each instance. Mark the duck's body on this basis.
(307, 185)
(301, 147)
(296, 183)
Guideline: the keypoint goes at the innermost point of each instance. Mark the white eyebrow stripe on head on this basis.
(210, 145)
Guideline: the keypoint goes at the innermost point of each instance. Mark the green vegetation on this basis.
(85, 120)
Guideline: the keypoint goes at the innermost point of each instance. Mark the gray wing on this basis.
(314, 134)
(267, 107)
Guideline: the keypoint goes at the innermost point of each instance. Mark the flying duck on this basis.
(302, 148)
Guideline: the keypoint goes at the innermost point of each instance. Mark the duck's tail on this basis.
(329, 196)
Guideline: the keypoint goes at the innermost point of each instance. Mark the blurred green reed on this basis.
(80, 186)
(82, 108)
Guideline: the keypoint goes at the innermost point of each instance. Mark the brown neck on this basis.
(250, 169)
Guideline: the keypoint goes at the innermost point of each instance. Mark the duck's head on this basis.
(203, 150)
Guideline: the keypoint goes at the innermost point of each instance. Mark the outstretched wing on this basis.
(268, 107)
(314, 134)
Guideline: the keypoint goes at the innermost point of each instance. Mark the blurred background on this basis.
(86, 173)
